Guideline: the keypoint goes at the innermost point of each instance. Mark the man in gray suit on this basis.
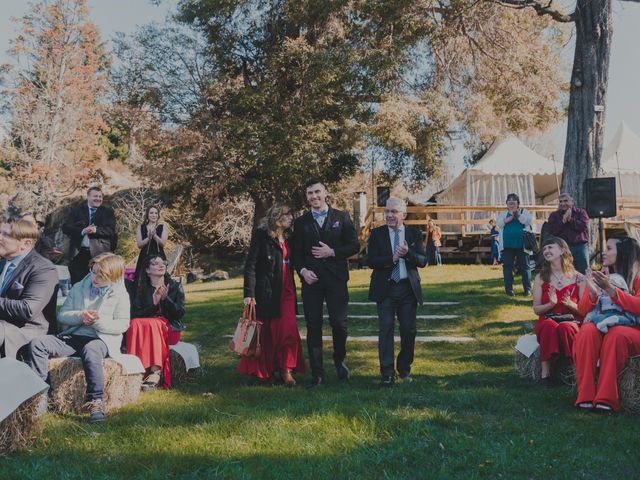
(27, 285)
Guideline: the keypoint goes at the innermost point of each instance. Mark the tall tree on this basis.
(588, 87)
(267, 93)
(55, 103)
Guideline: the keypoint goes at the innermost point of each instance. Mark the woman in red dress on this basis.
(268, 281)
(555, 300)
(611, 349)
(156, 312)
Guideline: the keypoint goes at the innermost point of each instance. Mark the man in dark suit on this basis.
(395, 252)
(27, 286)
(323, 239)
(91, 228)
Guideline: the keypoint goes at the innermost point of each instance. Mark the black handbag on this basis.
(529, 241)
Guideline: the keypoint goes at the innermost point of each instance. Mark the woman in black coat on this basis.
(156, 312)
(269, 284)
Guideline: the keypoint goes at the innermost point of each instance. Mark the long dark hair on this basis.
(144, 282)
(145, 221)
(627, 260)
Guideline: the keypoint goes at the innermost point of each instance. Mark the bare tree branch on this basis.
(541, 8)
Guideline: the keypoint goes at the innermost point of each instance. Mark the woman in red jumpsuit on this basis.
(555, 301)
(612, 349)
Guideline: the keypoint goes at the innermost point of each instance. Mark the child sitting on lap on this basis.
(606, 313)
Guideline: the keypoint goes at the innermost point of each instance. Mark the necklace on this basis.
(559, 279)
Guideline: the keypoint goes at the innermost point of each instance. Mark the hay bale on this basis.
(68, 385)
(19, 429)
(528, 367)
(629, 386)
(179, 372)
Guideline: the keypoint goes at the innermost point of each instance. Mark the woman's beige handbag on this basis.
(246, 339)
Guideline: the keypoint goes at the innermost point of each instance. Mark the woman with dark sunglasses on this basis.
(156, 313)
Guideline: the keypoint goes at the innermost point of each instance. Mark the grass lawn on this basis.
(467, 415)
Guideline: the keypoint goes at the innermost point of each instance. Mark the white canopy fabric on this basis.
(621, 159)
(509, 166)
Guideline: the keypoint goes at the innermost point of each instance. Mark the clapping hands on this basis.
(160, 293)
(401, 251)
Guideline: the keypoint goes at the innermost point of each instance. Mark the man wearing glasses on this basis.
(395, 252)
(27, 286)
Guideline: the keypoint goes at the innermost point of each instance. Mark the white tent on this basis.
(621, 159)
(509, 166)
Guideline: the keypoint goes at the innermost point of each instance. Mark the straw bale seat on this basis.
(18, 430)
(185, 362)
(629, 386)
(530, 367)
(68, 385)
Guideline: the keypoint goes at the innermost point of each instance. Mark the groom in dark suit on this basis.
(395, 252)
(91, 228)
(27, 286)
(323, 239)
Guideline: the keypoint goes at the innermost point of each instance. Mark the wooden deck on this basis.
(466, 239)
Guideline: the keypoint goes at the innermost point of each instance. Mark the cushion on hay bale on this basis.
(122, 382)
(185, 361)
(629, 386)
(21, 392)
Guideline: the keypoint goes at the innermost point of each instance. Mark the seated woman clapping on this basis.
(156, 313)
(556, 291)
(95, 315)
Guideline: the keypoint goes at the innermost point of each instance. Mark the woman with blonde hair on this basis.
(95, 314)
(269, 284)
(556, 293)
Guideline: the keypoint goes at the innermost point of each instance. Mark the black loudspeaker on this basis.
(601, 197)
(383, 194)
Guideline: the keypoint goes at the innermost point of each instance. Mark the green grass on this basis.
(467, 415)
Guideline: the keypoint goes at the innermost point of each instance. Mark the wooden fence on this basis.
(628, 210)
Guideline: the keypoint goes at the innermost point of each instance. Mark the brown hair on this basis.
(23, 228)
(566, 260)
(94, 188)
(145, 221)
(270, 220)
(110, 267)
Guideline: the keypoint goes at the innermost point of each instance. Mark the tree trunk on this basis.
(261, 207)
(589, 78)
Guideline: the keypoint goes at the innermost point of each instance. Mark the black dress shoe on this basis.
(343, 371)
(386, 381)
(315, 383)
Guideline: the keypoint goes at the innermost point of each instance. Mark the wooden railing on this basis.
(419, 215)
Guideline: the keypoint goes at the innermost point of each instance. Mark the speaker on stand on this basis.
(382, 194)
(601, 202)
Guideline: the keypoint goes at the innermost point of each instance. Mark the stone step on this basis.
(422, 339)
(418, 317)
(425, 304)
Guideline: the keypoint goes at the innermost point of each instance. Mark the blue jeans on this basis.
(580, 252)
(509, 256)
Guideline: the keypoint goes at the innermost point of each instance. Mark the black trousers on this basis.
(336, 295)
(79, 266)
(400, 301)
